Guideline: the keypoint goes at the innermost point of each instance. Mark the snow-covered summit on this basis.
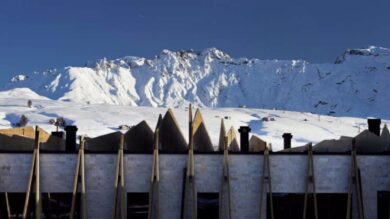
(371, 51)
(18, 93)
(356, 85)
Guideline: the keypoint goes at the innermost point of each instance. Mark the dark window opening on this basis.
(54, 205)
(58, 205)
(383, 204)
(15, 205)
(290, 205)
(137, 205)
(208, 205)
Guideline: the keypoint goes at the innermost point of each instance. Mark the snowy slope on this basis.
(355, 85)
(21, 93)
(98, 119)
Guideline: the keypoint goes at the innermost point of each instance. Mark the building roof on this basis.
(232, 140)
(202, 141)
(366, 142)
(171, 136)
(385, 134)
(107, 142)
(256, 144)
(222, 134)
(22, 139)
(139, 138)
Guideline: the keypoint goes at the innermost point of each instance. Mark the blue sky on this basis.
(40, 34)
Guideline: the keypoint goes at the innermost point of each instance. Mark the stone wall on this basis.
(288, 175)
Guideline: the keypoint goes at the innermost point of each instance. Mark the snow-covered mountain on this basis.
(357, 84)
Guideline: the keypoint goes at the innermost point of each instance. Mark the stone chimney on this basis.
(244, 138)
(287, 140)
(70, 144)
(374, 125)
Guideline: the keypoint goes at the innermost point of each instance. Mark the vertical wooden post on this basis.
(354, 181)
(38, 201)
(225, 212)
(34, 177)
(266, 179)
(120, 183)
(8, 205)
(310, 184)
(190, 187)
(79, 176)
(83, 197)
(154, 193)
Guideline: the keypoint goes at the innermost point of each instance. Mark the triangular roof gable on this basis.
(222, 134)
(232, 140)
(202, 141)
(107, 142)
(139, 138)
(385, 134)
(367, 141)
(171, 136)
(256, 144)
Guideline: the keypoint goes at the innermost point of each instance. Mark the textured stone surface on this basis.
(288, 175)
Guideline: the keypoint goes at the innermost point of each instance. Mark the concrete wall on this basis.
(288, 175)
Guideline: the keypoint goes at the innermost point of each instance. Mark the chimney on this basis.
(374, 125)
(287, 140)
(244, 138)
(70, 144)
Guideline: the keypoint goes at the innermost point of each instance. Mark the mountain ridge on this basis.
(355, 85)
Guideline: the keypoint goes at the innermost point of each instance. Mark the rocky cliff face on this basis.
(357, 84)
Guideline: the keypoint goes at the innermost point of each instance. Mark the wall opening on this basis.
(137, 205)
(54, 205)
(290, 205)
(208, 205)
(15, 205)
(383, 204)
(57, 205)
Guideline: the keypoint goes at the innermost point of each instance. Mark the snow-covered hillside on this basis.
(357, 84)
(98, 119)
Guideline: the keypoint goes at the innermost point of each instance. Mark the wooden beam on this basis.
(83, 197)
(8, 205)
(310, 184)
(225, 212)
(120, 183)
(190, 196)
(79, 178)
(34, 180)
(154, 193)
(266, 179)
(354, 181)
